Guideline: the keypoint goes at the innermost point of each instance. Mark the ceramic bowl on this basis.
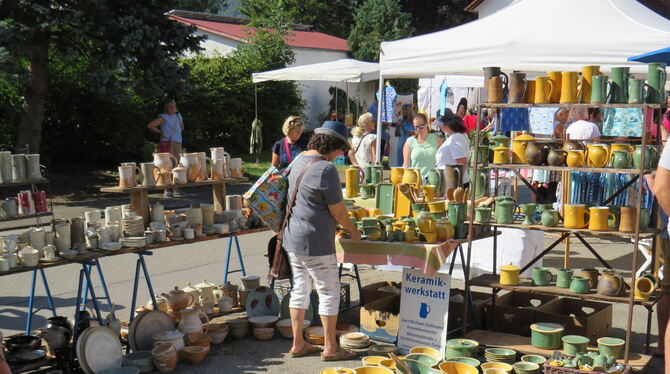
(68, 254)
(382, 350)
(143, 360)
(286, 329)
(164, 357)
(611, 346)
(453, 367)
(195, 354)
(263, 321)
(466, 360)
(23, 343)
(345, 328)
(198, 338)
(573, 344)
(497, 365)
(373, 370)
(428, 351)
(251, 282)
(415, 367)
(534, 359)
(238, 327)
(218, 333)
(373, 360)
(526, 368)
(495, 371)
(264, 333)
(423, 358)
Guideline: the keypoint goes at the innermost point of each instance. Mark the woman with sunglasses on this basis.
(420, 150)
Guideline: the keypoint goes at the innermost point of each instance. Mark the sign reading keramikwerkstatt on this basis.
(424, 308)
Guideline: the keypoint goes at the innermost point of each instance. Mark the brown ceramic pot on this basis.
(557, 157)
(593, 275)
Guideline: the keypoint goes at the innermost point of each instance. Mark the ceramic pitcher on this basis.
(544, 89)
(126, 176)
(619, 88)
(396, 175)
(453, 176)
(190, 321)
(597, 155)
(586, 82)
(504, 212)
(18, 167)
(411, 176)
(191, 162)
(555, 78)
(656, 78)
(6, 166)
(650, 157)
(164, 162)
(496, 90)
(530, 92)
(611, 283)
(202, 156)
(33, 166)
(519, 144)
(568, 87)
(179, 175)
(518, 85)
(575, 158)
(621, 159)
(236, 168)
(599, 89)
(218, 168)
(636, 91)
(493, 71)
(218, 153)
(149, 173)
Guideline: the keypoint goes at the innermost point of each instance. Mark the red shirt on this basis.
(470, 122)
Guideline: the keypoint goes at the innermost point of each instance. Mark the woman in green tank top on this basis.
(420, 149)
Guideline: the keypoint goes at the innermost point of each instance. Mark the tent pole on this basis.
(379, 115)
(336, 101)
(347, 98)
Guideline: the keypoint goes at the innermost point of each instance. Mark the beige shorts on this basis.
(175, 149)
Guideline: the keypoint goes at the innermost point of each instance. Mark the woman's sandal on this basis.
(306, 349)
(341, 355)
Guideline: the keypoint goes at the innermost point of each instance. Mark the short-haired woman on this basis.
(364, 141)
(309, 238)
(291, 145)
(456, 148)
(420, 149)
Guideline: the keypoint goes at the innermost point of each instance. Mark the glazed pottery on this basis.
(235, 165)
(549, 218)
(546, 335)
(482, 154)
(544, 89)
(209, 291)
(599, 89)
(544, 207)
(396, 175)
(575, 216)
(496, 368)
(496, 91)
(501, 140)
(434, 179)
(238, 327)
(509, 275)
(164, 162)
(530, 93)
(627, 217)
(619, 88)
(656, 77)
(536, 152)
(593, 275)
(644, 287)
(411, 176)
(555, 78)
(444, 229)
(190, 321)
(437, 206)
(372, 360)
(518, 85)
(597, 155)
(575, 158)
(529, 213)
(219, 168)
(461, 348)
(580, 285)
(457, 214)
(177, 299)
(165, 357)
(557, 157)
(599, 219)
(428, 351)
(423, 358)
(519, 144)
(541, 276)
(495, 72)
(526, 368)
(586, 82)
(574, 344)
(611, 283)
(504, 212)
(564, 277)
(568, 87)
(636, 91)
(501, 155)
(611, 347)
(198, 338)
(466, 360)
(621, 159)
(534, 359)
(457, 368)
(650, 157)
(452, 176)
(482, 176)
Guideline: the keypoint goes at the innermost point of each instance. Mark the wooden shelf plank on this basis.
(117, 189)
(491, 280)
(31, 216)
(522, 345)
(27, 182)
(564, 168)
(561, 229)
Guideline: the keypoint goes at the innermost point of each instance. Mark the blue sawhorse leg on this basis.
(95, 262)
(239, 257)
(31, 300)
(141, 264)
(85, 287)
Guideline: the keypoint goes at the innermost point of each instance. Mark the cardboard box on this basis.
(371, 291)
(515, 312)
(456, 304)
(579, 317)
(380, 319)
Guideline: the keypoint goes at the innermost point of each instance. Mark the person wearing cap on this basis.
(420, 149)
(456, 147)
(309, 238)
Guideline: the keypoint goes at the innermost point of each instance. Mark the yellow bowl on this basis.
(373, 370)
(373, 360)
(497, 365)
(452, 367)
(436, 206)
(429, 351)
(389, 363)
(337, 371)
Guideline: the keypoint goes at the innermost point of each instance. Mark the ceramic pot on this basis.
(501, 155)
(580, 285)
(600, 217)
(56, 322)
(549, 218)
(586, 82)
(18, 167)
(208, 291)
(190, 321)
(178, 299)
(571, 145)
(575, 158)
(164, 162)
(650, 157)
(575, 216)
(509, 275)
(149, 173)
(597, 155)
(411, 176)
(611, 283)
(563, 278)
(529, 213)
(637, 91)
(452, 176)
(592, 275)
(611, 347)
(656, 77)
(457, 215)
(482, 214)
(557, 157)
(518, 85)
(235, 165)
(33, 167)
(504, 212)
(461, 348)
(627, 218)
(619, 87)
(230, 290)
(6, 166)
(599, 89)
(541, 276)
(544, 89)
(396, 175)
(574, 344)
(535, 154)
(546, 335)
(644, 287)
(127, 176)
(179, 175)
(620, 159)
(519, 145)
(569, 92)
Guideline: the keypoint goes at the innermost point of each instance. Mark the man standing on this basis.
(586, 130)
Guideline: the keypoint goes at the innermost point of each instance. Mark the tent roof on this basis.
(344, 70)
(533, 36)
(661, 55)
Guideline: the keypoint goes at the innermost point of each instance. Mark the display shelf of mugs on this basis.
(26, 182)
(562, 229)
(210, 182)
(564, 168)
(526, 286)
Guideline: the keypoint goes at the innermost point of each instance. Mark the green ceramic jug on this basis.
(621, 159)
(541, 276)
(529, 212)
(367, 174)
(599, 87)
(619, 88)
(434, 179)
(505, 211)
(549, 218)
(482, 154)
(457, 216)
(650, 157)
(376, 174)
(482, 214)
(656, 78)
(563, 278)
(543, 207)
(636, 91)
(580, 285)
(482, 176)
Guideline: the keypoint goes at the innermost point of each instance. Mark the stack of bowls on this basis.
(315, 335)
(285, 327)
(355, 341)
(164, 357)
(505, 355)
(264, 333)
(501, 366)
(238, 327)
(263, 321)
(462, 348)
(218, 332)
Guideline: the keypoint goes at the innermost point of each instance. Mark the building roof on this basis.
(300, 37)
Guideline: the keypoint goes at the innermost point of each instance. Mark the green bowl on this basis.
(534, 359)
(500, 352)
(415, 367)
(526, 368)
(423, 358)
(611, 347)
(466, 360)
(573, 344)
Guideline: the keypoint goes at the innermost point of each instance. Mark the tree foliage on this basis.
(376, 21)
(436, 15)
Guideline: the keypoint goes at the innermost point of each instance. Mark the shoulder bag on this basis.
(279, 265)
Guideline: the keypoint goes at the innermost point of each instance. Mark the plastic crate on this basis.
(561, 370)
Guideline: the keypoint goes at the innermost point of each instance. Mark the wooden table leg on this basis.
(219, 197)
(140, 202)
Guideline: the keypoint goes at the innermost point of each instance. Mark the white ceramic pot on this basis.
(29, 256)
(179, 175)
(192, 163)
(33, 166)
(189, 234)
(18, 167)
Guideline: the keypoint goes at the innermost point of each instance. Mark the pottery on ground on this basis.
(264, 333)
(218, 333)
(423, 358)
(526, 368)
(611, 347)
(546, 335)
(534, 358)
(496, 365)
(164, 357)
(238, 327)
(198, 338)
(574, 344)
(196, 354)
(457, 368)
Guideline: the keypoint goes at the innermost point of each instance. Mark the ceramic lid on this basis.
(509, 267)
(524, 137)
(462, 343)
(499, 137)
(176, 291)
(547, 327)
(189, 288)
(575, 339)
(169, 335)
(500, 148)
(205, 284)
(29, 251)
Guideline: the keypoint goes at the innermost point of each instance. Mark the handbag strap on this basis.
(287, 150)
(291, 201)
(361, 142)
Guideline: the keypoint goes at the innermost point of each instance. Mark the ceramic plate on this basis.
(79, 351)
(47, 260)
(263, 319)
(146, 325)
(101, 349)
(262, 302)
(285, 310)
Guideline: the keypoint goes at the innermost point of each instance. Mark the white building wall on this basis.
(216, 45)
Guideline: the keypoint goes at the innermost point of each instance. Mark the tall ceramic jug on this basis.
(496, 90)
(493, 71)
(434, 178)
(597, 155)
(530, 92)
(599, 89)
(190, 321)
(637, 92)
(164, 162)
(619, 94)
(190, 162)
(568, 87)
(180, 175)
(150, 173)
(33, 166)
(6, 166)
(656, 79)
(611, 283)
(555, 78)
(235, 166)
(218, 168)
(482, 177)
(18, 167)
(518, 85)
(586, 82)
(202, 157)
(544, 88)
(218, 153)
(453, 176)
(126, 176)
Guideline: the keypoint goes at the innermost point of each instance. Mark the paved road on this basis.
(175, 266)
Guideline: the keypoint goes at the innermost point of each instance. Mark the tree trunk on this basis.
(32, 110)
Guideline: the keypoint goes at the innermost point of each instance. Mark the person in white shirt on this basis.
(661, 189)
(364, 141)
(456, 148)
(586, 130)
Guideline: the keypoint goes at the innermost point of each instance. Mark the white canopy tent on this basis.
(344, 70)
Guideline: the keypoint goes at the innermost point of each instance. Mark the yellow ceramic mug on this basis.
(599, 218)
(586, 82)
(644, 287)
(597, 155)
(576, 158)
(396, 175)
(555, 77)
(544, 89)
(501, 155)
(530, 92)
(568, 87)
(575, 216)
(509, 275)
(428, 193)
(411, 176)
